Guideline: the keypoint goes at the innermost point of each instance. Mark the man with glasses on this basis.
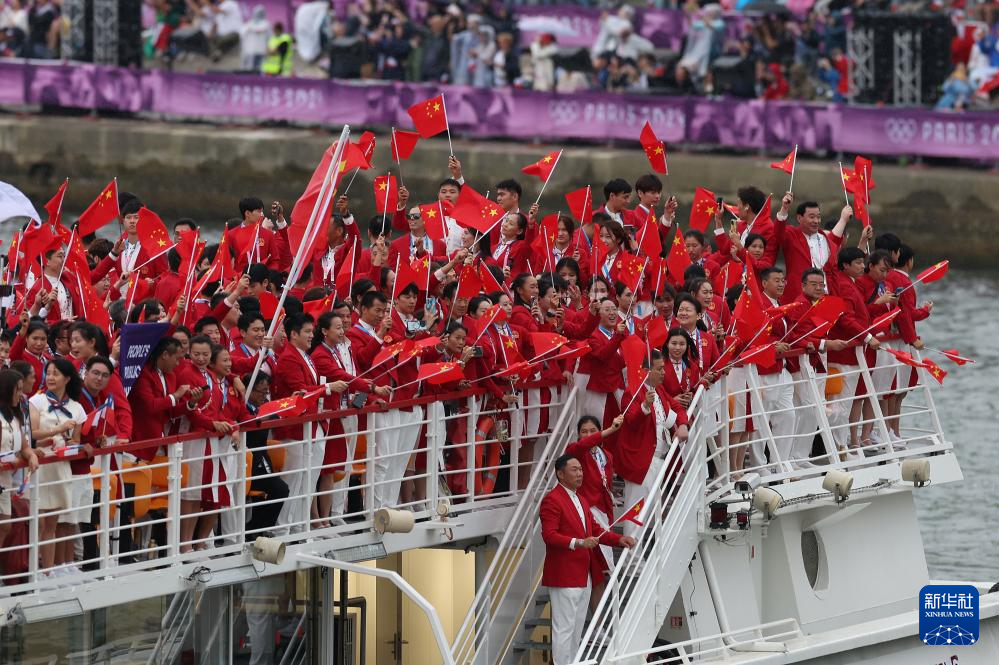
(416, 242)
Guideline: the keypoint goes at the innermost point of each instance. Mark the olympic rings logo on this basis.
(900, 130)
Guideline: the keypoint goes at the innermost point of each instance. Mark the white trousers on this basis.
(633, 492)
(806, 420)
(301, 481)
(342, 486)
(595, 404)
(839, 408)
(396, 433)
(569, 605)
(777, 394)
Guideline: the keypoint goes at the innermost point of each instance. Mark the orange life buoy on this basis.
(486, 455)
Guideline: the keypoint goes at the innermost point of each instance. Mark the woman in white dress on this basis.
(56, 416)
(15, 441)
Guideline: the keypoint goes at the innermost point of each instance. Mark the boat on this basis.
(812, 563)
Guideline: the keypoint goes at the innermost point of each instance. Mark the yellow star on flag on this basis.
(431, 213)
(382, 185)
(547, 159)
(161, 242)
(659, 150)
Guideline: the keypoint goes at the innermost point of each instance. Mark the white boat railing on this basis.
(449, 466)
(656, 564)
(617, 632)
(509, 583)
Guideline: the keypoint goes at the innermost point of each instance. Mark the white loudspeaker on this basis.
(388, 520)
(268, 550)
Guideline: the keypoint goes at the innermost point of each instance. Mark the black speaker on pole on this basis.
(929, 35)
(105, 32)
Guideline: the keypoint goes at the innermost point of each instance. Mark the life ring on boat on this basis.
(487, 456)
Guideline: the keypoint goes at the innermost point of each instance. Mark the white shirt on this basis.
(454, 234)
(665, 419)
(229, 19)
(818, 247)
(579, 511)
(129, 255)
(62, 297)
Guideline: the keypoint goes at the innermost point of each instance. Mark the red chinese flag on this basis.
(286, 406)
(864, 169)
(883, 322)
(935, 370)
(648, 237)
(433, 220)
(827, 309)
(187, 247)
(543, 167)
(581, 204)
(545, 240)
(316, 308)
(633, 350)
(511, 353)
(853, 183)
(302, 211)
(764, 355)
(784, 310)
(138, 289)
(103, 210)
(244, 239)
(749, 316)
(728, 351)
(572, 352)
(860, 210)
(489, 283)
(153, 234)
(438, 373)
(388, 352)
(702, 212)
(678, 259)
(268, 304)
(474, 211)
(519, 368)
(366, 144)
(386, 194)
(545, 342)
(76, 259)
(628, 270)
(903, 357)
(631, 515)
(429, 117)
(406, 276)
(786, 165)
(225, 270)
(403, 144)
(656, 332)
(345, 274)
(93, 304)
(654, 149)
(765, 212)
(934, 272)
(54, 206)
(955, 356)
(469, 284)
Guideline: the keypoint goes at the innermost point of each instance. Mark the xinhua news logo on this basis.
(948, 614)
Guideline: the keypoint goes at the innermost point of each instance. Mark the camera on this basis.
(413, 326)
(476, 351)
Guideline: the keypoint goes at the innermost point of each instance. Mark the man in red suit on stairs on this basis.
(570, 536)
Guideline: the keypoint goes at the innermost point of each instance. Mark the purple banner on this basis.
(510, 113)
(137, 341)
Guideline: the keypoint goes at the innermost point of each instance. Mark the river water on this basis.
(959, 521)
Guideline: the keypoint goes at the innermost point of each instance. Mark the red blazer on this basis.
(689, 378)
(518, 256)
(293, 373)
(597, 482)
(636, 448)
(604, 362)
(801, 328)
(400, 248)
(273, 249)
(364, 347)
(905, 322)
(797, 257)
(222, 402)
(565, 567)
(168, 288)
(54, 314)
(765, 228)
(38, 363)
(156, 405)
(244, 359)
(328, 365)
(150, 270)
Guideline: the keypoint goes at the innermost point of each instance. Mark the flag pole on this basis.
(794, 165)
(447, 126)
(388, 188)
(550, 174)
(394, 147)
(842, 179)
(325, 198)
(69, 248)
(871, 327)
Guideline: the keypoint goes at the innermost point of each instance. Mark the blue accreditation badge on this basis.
(948, 614)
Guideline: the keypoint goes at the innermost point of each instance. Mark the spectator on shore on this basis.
(506, 61)
(543, 51)
(957, 91)
(435, 51)
(43, 29)
(253, 39)
(704, 41)
(280, 53)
